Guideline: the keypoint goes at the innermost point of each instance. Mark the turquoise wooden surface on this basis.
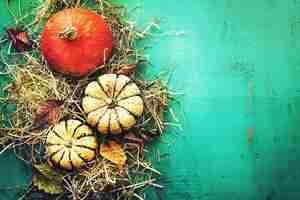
(14, 174)
(239, 67)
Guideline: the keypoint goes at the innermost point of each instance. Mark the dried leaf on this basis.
(20, 39)
(47, 179)
(113, 152)
(47, 171)
(23, 37)
(13, 90)
(126, 69)
(53, 116)
(47, 114)
(46, 185)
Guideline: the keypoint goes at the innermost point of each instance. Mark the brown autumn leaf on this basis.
(20, 39)
(113, 152)
(126, 69)
(53, 116)
(47, 114)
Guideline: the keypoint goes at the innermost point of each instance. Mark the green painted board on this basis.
(239, 68)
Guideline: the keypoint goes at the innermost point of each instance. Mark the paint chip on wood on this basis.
(250, 133)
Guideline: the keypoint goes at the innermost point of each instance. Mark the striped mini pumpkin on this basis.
(113, 103)
(70, 144)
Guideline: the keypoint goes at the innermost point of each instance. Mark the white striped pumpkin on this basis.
(113, 103)
(70, 144)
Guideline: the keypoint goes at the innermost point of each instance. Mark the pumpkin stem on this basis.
(113, 104)
(70, 33)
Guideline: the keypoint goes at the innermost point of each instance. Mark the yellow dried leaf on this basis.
(48, 186)
(47, 179)
(113, 152)
(48, 172)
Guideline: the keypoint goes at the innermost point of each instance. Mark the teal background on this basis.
(239, 68)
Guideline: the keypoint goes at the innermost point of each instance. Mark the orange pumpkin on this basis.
(76, 41)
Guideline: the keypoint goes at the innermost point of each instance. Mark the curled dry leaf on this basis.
(126, 69)
(20, 39)
(113, 152)
(47, 114)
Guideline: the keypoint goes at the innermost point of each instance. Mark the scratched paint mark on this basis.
(225, 30)
(291, 108)
(250, 96)
(243, 68)
(250, 135)
(270, 90)
(257, 156)
(231, 35)
(294, 25)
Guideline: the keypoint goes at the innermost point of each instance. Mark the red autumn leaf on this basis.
(47, 114)
(23, 37)
(20, 39)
